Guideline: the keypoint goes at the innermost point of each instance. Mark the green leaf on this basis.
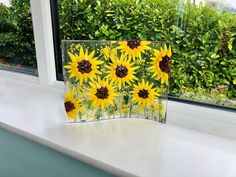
(230, 46)
(234, 81)
(233, 72)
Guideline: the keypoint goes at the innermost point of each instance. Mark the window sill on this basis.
(125, 147)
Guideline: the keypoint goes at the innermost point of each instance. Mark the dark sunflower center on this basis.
(84, 66)
(121, 71)
(165, 64)
(143, 93)
(102, 93)
(133, 44)
(69, 106)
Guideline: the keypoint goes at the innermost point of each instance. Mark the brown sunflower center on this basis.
(121, 71)
(133, 44)
(84, 66)
(69, 106)
(102, 93)
(143, 93)
(165, 64)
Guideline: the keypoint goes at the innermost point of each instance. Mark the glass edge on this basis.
(98, 41)
(21, 71)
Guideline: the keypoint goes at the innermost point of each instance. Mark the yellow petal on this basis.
(81, 52)
(72, 57)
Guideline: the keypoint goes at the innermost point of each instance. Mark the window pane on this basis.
(204, 66)
(202, 34)
(17, 49)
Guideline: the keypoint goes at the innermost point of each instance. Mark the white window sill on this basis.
(125, 147)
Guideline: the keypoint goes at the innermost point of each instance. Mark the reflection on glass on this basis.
(205, 66)
(17, 50)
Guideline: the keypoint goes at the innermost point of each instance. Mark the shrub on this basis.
(7, 30)
(203, 38)
(16, 33)
(6, 24)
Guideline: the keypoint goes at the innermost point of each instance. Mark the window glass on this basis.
(17, 49)
(202, 34)
(204, 66)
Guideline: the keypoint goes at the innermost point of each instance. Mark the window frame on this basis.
(42, 25)
(56, 38)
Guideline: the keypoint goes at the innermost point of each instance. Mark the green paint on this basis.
(20, 157)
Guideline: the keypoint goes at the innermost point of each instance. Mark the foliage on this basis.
(16, 33)
(7, 30)
(115, 19)
(6, 24)
(205, 51)
(203, 38)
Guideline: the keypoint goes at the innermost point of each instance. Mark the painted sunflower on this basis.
(72, 104)
(161, 64)
(101, 93)
(144, 94)
(121, 71)
(84, 66)
(109, 53)
(134, 48)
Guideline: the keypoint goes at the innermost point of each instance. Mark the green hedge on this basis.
(203, 38)
(16, 34)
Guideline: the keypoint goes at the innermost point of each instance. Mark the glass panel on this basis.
(201, 32)
(116, 79)
(204, 67)
(17, 49)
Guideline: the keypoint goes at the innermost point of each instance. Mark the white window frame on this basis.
(183, 114)
(43, 36)
(42, 25)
